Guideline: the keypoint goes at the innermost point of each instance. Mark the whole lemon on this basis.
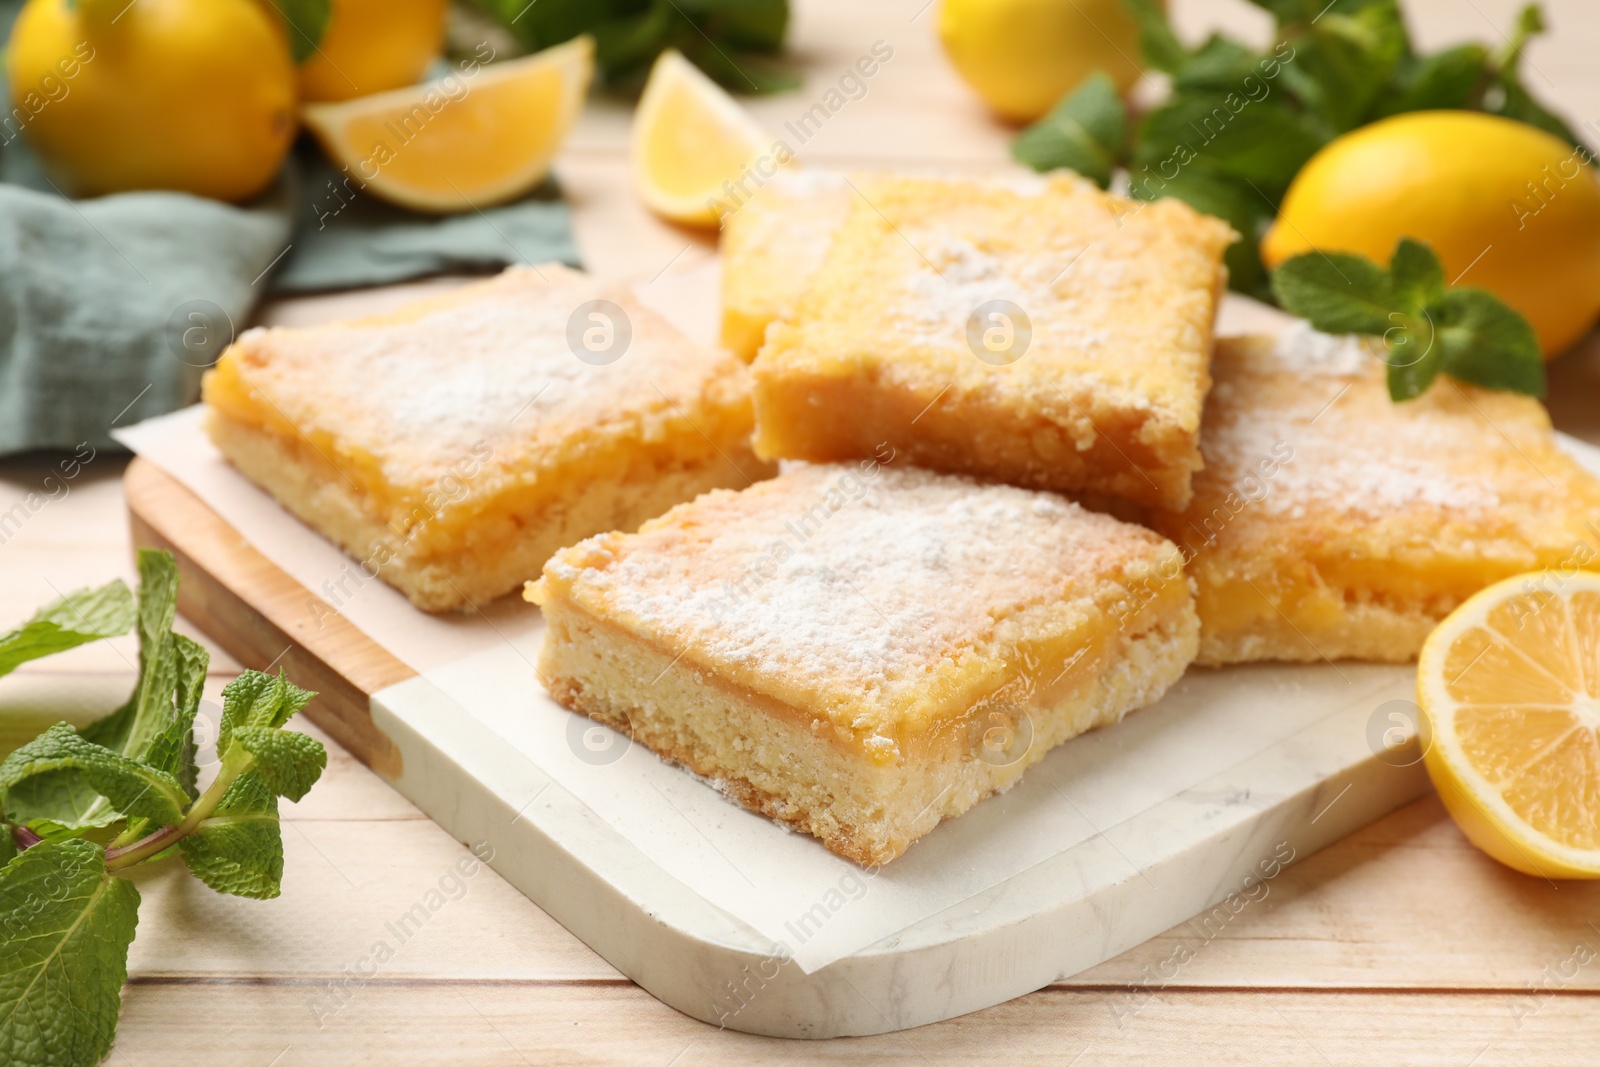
(373, 45)
(1022, 56)
(1507, 207)
(192, 95)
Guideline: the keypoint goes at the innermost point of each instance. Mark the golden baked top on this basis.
(398, 401)
(1121, 295)
(1304, 447)
(774, 242)
(874, 596)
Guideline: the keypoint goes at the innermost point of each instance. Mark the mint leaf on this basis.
(130, 787)
(1229, 134)
(1413, 359)
(1158, 44)
(73, 620)
(1483, 341)
(239, 849)
(1335, 292)
(152, 727)
(1083, 132)
(1220, 65)
(1441, 81)
(1415, 274)
(304, 23)
(289, 763)
(1516, 103)
(256, 699)
(67, 925)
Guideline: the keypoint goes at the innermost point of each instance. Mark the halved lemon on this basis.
(690, 138)
(482, 135)
(1510, 685)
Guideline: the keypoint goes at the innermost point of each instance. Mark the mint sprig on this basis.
(1239, 122)
(1428, 328)
(82, 808)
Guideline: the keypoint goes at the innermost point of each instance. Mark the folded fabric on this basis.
(345, 238)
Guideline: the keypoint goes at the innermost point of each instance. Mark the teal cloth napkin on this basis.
(111, 308)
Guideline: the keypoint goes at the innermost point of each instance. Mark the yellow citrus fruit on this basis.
(1510, 687)
(1022, 56)
(483, 135)
(371, 46)
(1507, 207)
(193, 95)
(689, 139)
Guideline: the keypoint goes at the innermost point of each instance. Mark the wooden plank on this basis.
(264, 618)
(550, 1024)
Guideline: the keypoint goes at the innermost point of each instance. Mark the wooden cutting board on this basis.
(1188, 854)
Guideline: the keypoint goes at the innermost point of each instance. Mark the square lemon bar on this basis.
(1052, 336)
(861, 650)
(1331, 522)
(452, 446)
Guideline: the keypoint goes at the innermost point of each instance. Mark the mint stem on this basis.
(153, 844)
(24, 838)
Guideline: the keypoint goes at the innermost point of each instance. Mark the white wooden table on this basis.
(1400, 945)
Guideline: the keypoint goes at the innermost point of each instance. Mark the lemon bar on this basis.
(772, 246)
(862, 650)
(1331, 522)
(452, 446)
(1055, 337)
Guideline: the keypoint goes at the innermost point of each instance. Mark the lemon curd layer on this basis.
(837, 645)
(460, 437)
(1332, 522)
(1037, 332)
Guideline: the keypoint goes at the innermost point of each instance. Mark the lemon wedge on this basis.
(483, 135)
(689, 139)
(1510, 686)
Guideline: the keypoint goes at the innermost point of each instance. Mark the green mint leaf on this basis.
(289, 763)
(1083, 132)
(1415, 274)
(1515, 102)
(1259, 141)
(256, 699)
(1483, 341)
(66, 928)
(1444, 80)
(1159, 45)
(239, 849)
(1346, 60)
(1409, 378)
(304, 23)
(73, 620)
(1219, 65)
(1336, 293)
(130, 787)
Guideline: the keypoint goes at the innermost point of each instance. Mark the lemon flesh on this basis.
(482, 136)
(690, 141)
(1510, 685)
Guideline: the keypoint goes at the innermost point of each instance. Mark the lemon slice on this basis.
(463, 142)
(689, 138)
(1510, 685)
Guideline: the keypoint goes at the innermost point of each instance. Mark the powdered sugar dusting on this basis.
(1306, 351)
(1350, 449)
(418, 395)
(857, 585)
